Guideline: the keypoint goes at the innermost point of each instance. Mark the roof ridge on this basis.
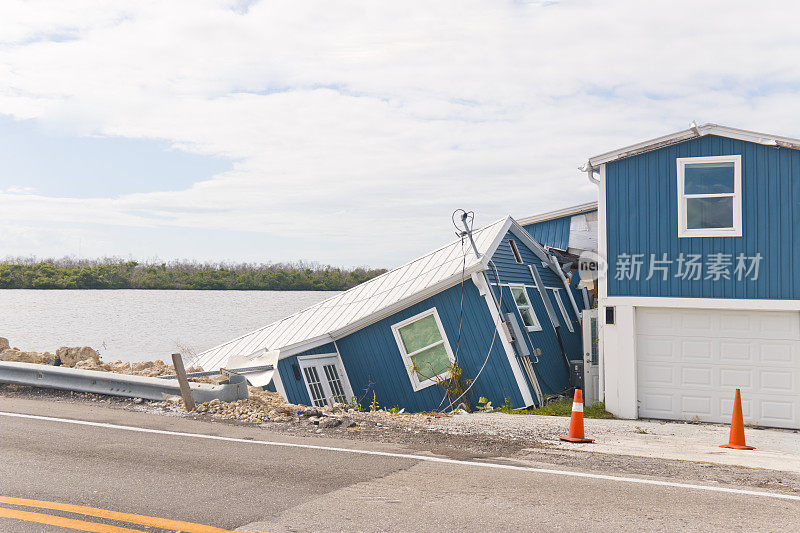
(692, 132)
(336, 301)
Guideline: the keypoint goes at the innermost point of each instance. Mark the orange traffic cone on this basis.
(576, 421)
(736, 440)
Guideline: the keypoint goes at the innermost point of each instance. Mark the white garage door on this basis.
(689, 363)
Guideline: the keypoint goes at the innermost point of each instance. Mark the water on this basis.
(141, 325)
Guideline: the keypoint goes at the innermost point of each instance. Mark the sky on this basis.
(348, 132)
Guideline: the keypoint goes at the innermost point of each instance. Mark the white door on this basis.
(689, 362)
(325, 379)
(591, 358)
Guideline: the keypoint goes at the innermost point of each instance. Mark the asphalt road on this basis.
(246, 485)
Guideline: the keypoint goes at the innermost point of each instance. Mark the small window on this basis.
(424, 347)
(560, 302)
(710, 196)
(525, 308)
(515, 251)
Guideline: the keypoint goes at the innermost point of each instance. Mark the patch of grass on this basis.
(563, 407)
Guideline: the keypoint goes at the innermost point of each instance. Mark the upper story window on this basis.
(525, 308)
(515, 251)
(424, 347)
(710, 196)
(563, 309)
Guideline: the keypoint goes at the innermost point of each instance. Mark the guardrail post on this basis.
(183, 382)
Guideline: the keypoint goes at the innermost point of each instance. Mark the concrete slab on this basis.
(776, 449)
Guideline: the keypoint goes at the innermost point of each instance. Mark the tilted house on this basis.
(701, 231)
(505, 313)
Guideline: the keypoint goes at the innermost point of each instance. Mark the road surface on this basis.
(157, 469)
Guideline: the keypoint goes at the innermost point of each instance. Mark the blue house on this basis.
(494, 303)
(572, 230)
(700, 230)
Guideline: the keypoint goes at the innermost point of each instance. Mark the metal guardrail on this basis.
(95, 381)
(244, 370)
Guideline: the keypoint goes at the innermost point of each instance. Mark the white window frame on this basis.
(736, 230)
(537, 326)
(515, 251)
(564, 314)
(408, 363)
(319, 360)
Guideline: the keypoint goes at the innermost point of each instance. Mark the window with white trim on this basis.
(710, 196)
(426, 352)
(525, 308)
(564, 314)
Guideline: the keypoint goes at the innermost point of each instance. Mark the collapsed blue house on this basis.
(497, 307)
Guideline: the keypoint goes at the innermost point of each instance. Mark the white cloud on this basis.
(367, 123)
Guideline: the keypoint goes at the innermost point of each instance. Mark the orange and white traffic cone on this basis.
(736, 440)
(576, 421)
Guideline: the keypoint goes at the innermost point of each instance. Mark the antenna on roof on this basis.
(467, 218)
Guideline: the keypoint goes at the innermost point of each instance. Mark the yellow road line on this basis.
(70, 523)
(163, 523)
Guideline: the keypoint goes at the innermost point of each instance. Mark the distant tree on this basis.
(113, 273)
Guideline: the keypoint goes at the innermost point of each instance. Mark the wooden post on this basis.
(186, 391)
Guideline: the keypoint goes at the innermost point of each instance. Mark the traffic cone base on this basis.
(576, 420)
(736, 441)
(574, 439)
(737, 447)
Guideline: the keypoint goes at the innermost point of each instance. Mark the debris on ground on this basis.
(86, 358)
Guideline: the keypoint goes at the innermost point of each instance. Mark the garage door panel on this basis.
(777, 381)
(696, 376)
(737, 351)
(776, 412)
(697, 350)
(690, 361)
(780, 325)
(780, 354)
(695, 323)
(657, 375)
(736, 378)
(659, 403)
(701, 405)
(736, 324)
(655, 323)
(657, 348)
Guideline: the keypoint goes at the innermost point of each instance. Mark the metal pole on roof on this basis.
(468, 231)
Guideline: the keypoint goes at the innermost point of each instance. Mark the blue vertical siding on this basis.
(295, 388)
(642, 218)
(553, 232)
(374, 364)
(512, 272)
(550, 368)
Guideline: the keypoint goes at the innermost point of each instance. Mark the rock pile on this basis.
(261, 406)
(264, 406)
(86, 358)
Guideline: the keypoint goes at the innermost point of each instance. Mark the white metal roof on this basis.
(558, 213)
(691, 133)
(372, 300)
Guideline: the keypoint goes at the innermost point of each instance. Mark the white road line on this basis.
(413, 457)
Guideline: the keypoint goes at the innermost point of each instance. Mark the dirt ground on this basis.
(448, 437)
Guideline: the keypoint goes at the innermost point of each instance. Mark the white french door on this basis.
(325, 379)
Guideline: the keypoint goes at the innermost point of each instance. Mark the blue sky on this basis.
(59, 163)
(275, 131)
